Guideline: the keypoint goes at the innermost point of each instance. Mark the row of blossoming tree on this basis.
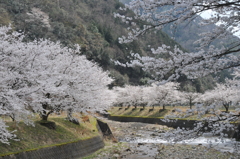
(43, 77)
(220, 98)
(211, 109)
(155, 14)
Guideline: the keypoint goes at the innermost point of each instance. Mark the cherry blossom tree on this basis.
(217, 122)
(222, 95)
(131, 96)
(162, 95)
(123, 96)
(190, 98)
(207, 59)
(5, 135)
(41, 76)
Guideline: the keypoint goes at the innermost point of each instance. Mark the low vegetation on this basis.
(39, 136)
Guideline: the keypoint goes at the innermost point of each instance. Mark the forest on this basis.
(91, 24)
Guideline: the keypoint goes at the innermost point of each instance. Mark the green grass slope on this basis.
(139, 112)
(31, 138)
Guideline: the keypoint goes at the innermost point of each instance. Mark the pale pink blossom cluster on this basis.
(42, 72)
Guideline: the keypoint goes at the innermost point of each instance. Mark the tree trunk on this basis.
(226, 106)
(164, 107)
(12, 116)
(69, 114)
(190, 103)
(58, 4)
(44, 117)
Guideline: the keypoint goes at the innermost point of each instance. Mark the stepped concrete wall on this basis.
(181, 123)
(175, 123)
(66, 151)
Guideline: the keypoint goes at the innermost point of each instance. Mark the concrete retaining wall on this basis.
(67, 151)
(181, 123)
(104, 128)
(177, 123)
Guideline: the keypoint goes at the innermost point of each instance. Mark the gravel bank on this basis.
(126, 148)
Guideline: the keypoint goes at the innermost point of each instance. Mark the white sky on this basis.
(207, 14)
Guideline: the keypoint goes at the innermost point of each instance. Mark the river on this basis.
(145, 141)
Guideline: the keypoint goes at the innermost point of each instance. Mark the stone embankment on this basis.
(175, 123)
(70, 150)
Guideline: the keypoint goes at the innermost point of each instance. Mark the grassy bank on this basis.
(139, 112)
(149, 112)
(39, 136)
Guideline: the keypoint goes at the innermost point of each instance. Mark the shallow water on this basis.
(219, 144)
(138, 133)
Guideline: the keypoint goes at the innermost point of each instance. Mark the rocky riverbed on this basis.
(133, 144)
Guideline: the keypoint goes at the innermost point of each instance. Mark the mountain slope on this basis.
(89, 23)
(188, 32)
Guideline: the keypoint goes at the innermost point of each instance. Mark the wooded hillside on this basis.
(89, 23)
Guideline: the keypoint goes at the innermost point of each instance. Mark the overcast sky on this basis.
(209, 13)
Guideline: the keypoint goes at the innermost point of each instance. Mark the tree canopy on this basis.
(43, 77)
(207, 59)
